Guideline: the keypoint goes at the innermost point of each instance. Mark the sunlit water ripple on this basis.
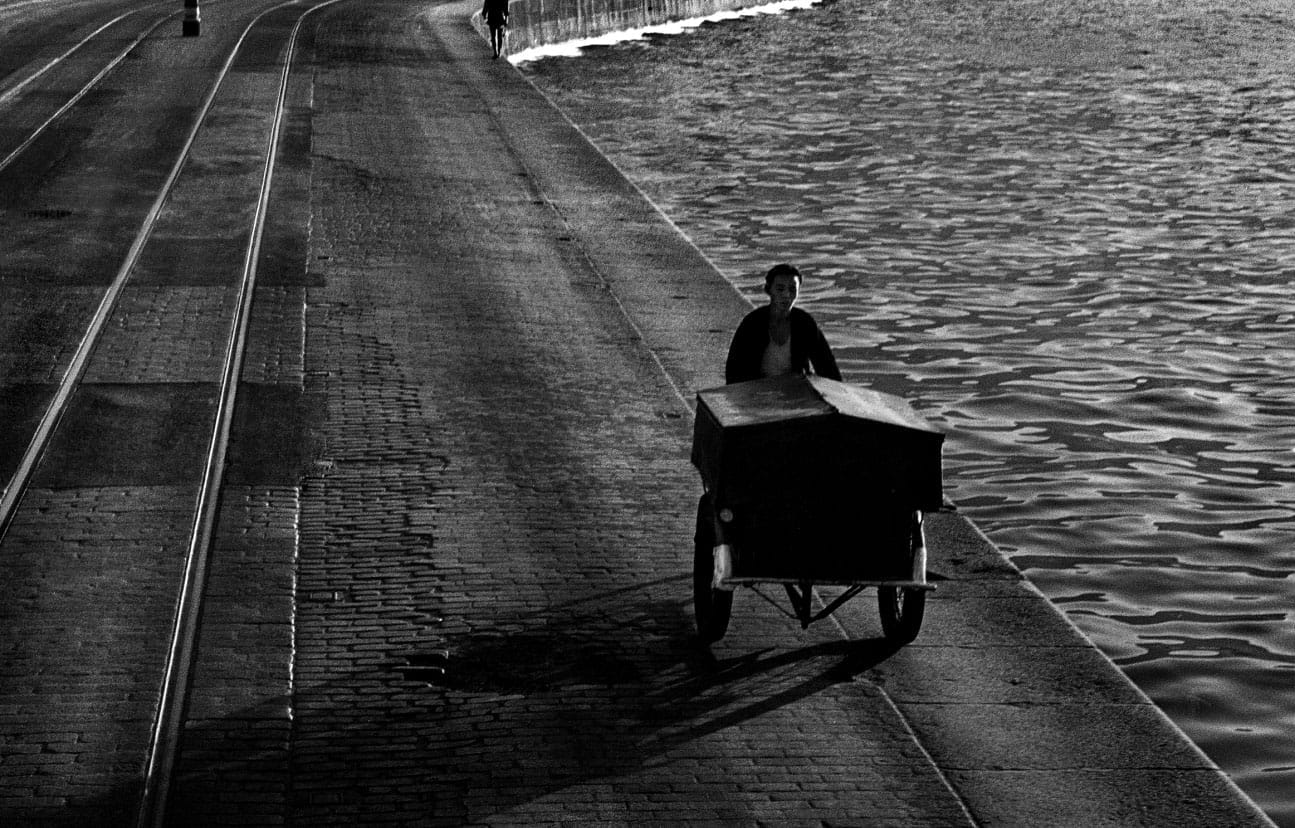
(1064, 231)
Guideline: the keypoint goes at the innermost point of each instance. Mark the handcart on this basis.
(812, 482)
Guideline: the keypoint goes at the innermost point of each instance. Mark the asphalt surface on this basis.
(452, 580)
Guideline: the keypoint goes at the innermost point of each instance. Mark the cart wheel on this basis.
(902, 609)
(712, 606)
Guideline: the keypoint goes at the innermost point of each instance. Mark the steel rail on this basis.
(17, 486)
(13, 91)
(83, 91)
(177, 675)
(8, 7)
(169, 723)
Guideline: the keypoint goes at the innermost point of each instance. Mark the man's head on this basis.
(781, 270)
(782, 283)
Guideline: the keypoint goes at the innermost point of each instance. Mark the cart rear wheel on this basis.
(902, 609)
(712, 606)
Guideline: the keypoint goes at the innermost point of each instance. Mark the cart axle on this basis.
(802, 599)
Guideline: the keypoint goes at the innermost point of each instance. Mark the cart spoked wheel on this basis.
(902, 608)
(712, 606)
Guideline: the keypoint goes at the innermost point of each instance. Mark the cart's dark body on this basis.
(812, 481)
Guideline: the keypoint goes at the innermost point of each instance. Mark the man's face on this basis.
(782, 292)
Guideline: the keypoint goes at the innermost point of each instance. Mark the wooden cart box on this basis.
(820, 476)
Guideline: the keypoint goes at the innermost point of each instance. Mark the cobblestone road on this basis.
(494, 620)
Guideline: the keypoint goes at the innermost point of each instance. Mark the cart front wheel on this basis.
(712, 606)
(902, 609)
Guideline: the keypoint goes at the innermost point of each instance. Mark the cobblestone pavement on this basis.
(493, 621)
(91, 564)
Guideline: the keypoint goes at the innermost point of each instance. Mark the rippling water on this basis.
(1065, 230)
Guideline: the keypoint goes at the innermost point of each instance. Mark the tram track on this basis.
(170, 720)
(276, 28)
(13, 491)
(85, 89)
(12, 91)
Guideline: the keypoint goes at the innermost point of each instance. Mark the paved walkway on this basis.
(505, 491)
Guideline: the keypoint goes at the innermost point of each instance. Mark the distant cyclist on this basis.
(495, 13)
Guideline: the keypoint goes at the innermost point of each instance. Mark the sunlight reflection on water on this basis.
(1063, 230)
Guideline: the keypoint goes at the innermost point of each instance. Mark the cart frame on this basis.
(901, 603)
(813, 482)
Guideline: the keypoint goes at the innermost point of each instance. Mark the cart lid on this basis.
(800, 396)
(802, 434)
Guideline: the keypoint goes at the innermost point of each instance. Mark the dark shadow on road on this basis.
(485, 722)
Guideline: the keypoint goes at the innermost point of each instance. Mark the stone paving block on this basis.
(87, 603)
(276, 335)
(1081, 797)
(130, 434)
(39, 328)
(164, 335)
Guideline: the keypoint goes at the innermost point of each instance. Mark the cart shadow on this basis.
(614, 691)
(485, 722)
(767, 680)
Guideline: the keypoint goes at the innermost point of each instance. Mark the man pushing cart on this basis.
(808, 480)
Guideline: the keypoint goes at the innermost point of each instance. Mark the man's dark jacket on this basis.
(808, 347)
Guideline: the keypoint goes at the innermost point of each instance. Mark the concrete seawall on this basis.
(539, 22)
